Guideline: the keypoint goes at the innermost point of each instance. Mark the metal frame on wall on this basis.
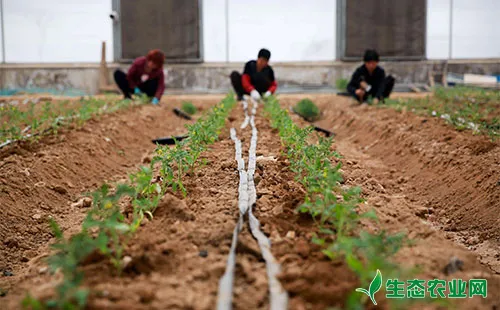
(117, 36)
(2, 24)
(342, 31)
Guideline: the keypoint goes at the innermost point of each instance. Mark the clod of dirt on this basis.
(37, 216)
(257, 179)
(453, 266)
(146, 159)
(472, 240)
(146, 296)
(139, 265)
(421, 212)
(203, 253)
(3, 292)
(248, 245)
(84, 202)
(7, 273)
(11, 242)
(59, 189)
(290, 235)
(302, 248)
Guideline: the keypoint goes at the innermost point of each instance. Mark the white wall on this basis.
(293, 30)
(214, 30)
(1, 49)
(475, 31)
(57, 30)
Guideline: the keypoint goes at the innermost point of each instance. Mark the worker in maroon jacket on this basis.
(257, 79)
(144, 76)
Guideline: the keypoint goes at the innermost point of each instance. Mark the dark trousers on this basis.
(388, 85)
(261, 84)
(149, 87)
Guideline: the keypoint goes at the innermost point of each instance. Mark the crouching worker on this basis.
(369, 80)
(144, 76)
(257, 79)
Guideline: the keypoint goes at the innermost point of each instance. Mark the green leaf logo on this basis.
(375, 286)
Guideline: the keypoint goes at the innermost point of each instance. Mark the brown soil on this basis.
(422, 177)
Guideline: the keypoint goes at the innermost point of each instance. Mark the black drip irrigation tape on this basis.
(182, 114)
(327, 132)
(169, 140)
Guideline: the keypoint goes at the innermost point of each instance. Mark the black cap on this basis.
(264, 53)
(371, 55)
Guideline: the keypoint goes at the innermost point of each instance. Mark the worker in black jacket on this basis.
(369, 80)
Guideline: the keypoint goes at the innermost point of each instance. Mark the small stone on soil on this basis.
(37, 216)
(43, 270)
(453, 266)
(126, 261)
(203, 253)
(84, 202)
(3, 292)
(290, 235)
(7, 273)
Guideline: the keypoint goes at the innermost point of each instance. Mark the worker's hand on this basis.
(267, 94)
(365, 86)
(137, 91)
(360, 93)
(255, 95)
(155, 101)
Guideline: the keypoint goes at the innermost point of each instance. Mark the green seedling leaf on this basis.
(81, 297)
(318, 241)
(327, 231)
(56, 230)
(371, 214)
(375, 286)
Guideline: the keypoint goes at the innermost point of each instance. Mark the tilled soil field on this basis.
(440, 186)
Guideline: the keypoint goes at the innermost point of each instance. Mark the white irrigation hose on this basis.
(247, 197)
(225, 297)
(247, 119)
(278, 296)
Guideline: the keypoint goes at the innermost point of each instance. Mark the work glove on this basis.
(255, 95)
(137, 91)
(155, 101)
(267, 94)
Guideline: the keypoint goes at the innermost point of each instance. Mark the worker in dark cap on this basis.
(257, 79)
(369, 80)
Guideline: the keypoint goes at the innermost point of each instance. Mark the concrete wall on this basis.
(215, 77)
(56, 31)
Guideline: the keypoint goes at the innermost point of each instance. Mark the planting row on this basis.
(106, 231)
(29, 121)
(465, 108)
(334, 207)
